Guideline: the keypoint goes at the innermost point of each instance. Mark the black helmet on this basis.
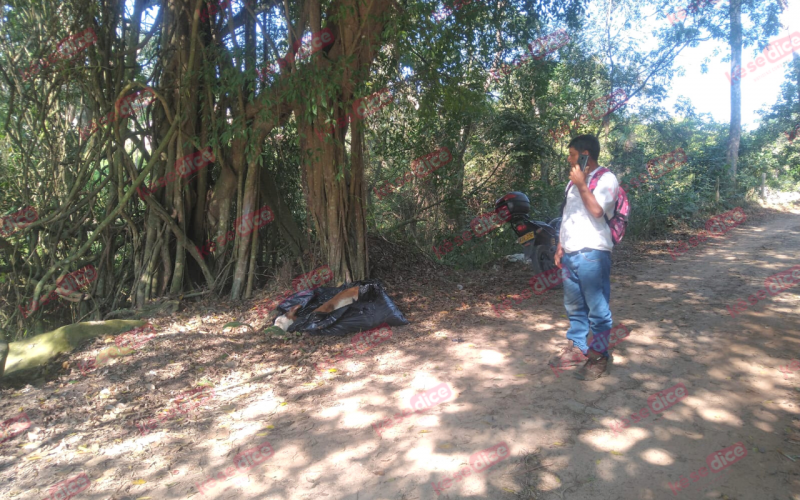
(517, 203)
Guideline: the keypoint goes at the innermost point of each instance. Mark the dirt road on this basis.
(556, 435)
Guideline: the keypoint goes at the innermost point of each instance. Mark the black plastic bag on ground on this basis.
(372, 309)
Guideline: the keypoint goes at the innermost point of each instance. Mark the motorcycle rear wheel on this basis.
(543, 259)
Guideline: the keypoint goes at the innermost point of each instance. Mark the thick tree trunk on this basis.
(199, 220)
(291, 233)
(248, 207)
(252, 265)
(334, 188)
(357, 246)
(139, 270)
(456, 212)
(327, 197)
(221, 204)
(735, 134)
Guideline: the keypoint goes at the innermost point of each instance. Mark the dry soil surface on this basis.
(558, 430)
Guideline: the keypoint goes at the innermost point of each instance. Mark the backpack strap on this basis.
(596, 178)
(593, 185)
(564, 203)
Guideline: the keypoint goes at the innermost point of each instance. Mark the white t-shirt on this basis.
(579, 229)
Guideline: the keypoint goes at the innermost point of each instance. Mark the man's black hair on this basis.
(586, 142)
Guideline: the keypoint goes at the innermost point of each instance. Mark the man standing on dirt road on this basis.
(585, 250)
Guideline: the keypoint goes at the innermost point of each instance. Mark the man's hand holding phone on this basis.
(578, 173)
(577, 176)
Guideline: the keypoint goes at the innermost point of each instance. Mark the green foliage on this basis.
(512, 126)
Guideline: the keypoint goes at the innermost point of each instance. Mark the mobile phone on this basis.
(582, 161)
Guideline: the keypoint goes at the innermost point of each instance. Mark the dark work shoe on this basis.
(593, 369)
(568, 356)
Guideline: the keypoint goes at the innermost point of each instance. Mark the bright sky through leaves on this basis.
(710, 92)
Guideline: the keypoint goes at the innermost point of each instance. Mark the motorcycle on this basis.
(539, 239)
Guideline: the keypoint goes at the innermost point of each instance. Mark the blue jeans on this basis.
(587, 292)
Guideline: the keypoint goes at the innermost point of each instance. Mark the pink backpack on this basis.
(619, 222)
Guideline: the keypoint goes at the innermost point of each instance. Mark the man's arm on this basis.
(590, 202)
